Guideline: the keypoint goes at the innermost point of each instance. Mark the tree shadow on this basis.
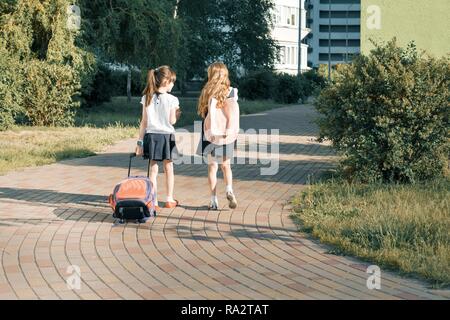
(244, 169)
(51, 197)
(306, 149)
(95, 209)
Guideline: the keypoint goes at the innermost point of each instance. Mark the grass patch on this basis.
(399, 227)
(33, 146)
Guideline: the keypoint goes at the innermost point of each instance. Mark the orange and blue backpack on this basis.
(133, 198)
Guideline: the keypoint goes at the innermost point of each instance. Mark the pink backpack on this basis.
(215, 125)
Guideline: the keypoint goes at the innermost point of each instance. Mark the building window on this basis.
(288, 55)
(340, 1)
(282, 59)
(340, 28)
(340, 14)
(339, 43)
(293, 15)
(286, 16)
(277, 15)
(334, 57)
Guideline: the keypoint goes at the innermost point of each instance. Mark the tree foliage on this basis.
(49, 70)
(44, 69)
(237, 32)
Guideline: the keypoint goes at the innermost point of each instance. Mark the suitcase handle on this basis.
(133, 155)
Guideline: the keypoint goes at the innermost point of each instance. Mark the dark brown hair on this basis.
(157, 78)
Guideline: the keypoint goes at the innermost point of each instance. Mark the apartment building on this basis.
(286, 17)
(335, 31)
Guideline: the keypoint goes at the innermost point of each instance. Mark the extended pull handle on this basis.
(133, 155)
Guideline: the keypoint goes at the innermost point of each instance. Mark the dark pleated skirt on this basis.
(159, 147)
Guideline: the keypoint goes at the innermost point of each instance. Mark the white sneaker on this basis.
(213, 205)
(232, 202)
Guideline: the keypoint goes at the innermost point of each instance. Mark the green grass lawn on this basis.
(33, 146)
(119, 111)
(398, 227)
(94, 130)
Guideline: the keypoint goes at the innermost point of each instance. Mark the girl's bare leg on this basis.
(227, 173)
(228, 177)
(168, 169)
(212, 174)
(153, 174)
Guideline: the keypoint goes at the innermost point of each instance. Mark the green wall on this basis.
(427, 22)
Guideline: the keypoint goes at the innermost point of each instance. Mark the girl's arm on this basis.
(143, 125)
(174, 115)
(142, 128)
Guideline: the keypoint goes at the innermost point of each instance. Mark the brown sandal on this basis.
(171, 204)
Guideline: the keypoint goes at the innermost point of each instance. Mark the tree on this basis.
(142, 33)
(203, 34)
(42, 68)
(248, 34)
(234, 31)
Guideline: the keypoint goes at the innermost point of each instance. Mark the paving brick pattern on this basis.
(56, 216)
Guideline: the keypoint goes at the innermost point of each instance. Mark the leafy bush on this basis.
(10, 99)
(109, 82)
(388, 114)
(322, 71)
(313, 81)
(42, 68)
(289, 89)
(47, 95)
(257, 85)
(100, 90)
(283, 88)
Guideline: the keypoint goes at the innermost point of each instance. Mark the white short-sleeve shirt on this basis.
(158, 113)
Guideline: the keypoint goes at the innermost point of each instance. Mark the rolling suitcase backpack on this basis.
(133, 198)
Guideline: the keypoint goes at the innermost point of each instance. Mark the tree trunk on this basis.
(129, 84)
(183, 86)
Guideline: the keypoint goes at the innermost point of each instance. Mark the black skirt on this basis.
(159, 147)
(221, 151)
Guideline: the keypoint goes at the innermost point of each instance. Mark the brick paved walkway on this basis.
(55, 216)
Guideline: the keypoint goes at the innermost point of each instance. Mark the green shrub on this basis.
(322, 71)
(257, 85)
(10, 99)
(283, 88)
(47, 95)
(101, 88)
(42, 68)
(313, 81)
(388, 115)
(289, 89)
(110, 83)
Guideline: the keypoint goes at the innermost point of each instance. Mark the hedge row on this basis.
(283, 88)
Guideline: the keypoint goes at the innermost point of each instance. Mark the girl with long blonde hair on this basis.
(219, 110)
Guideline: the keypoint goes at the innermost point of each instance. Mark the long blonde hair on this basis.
(217, 87)
(156, 78)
